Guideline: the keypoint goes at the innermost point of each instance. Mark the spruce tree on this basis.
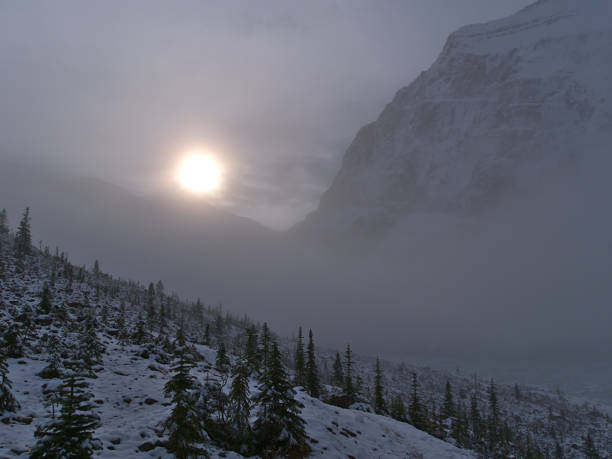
(590, 450)
(7, 400)
(240, 404)
(222, 362)
(264, 349)
(493, 420)
(90, 347)
(23, 238)
(4, 229)
(380, 406)
(279, 429)
(71, 434)
(312, 372)
(300, 368)
(207, 335)
(184, 425)
(448, 408)
(53, 369)
(44, 307)
(415, 410)
(349, 389)
(475, 420)
(250, 351)
(338, 374)
(398, 410)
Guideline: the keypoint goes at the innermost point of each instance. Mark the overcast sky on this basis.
(117, 90)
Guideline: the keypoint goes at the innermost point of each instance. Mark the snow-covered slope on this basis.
(129, 397)
(505, 104)
(127, 390)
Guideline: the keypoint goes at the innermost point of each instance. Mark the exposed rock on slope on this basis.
(505, 103)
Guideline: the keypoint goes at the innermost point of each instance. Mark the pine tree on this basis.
(7, 400)
(264, 349)
(71, 434)
(475, 420)
(415, 409)
(240, 402)
(312, 372)
(184, 425)
(380, 406)
(493, 420)
(90, 348)
(207, 335)
(222, 362)
(349, 389)
(53, 369)
(590, 451)
(300, 369)
(279, 429)
(44, 307)
(448, 409)
(338, 375)
(250, 351)
(23, 238)
(4, 229)
(140, 335)
(398, 410)
(517, 393)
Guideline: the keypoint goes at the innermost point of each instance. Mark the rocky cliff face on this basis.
(505, 104)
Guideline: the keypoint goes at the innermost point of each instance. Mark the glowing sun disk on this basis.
(199, 174)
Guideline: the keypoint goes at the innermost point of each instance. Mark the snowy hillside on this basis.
(50, 308)
(505, 104)
(46, 305)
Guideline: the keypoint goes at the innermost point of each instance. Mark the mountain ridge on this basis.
(500, 108)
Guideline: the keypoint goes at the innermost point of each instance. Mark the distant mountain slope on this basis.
(505, 104)
(194, 246)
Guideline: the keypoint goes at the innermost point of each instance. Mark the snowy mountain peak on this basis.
(505, 103)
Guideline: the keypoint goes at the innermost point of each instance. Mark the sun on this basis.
(199, 174)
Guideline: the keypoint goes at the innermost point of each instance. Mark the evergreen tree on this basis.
(338, 375)
(250, 351)
(415, 410)
(312, 372)
(222, 362)
(380, 406)
(448, 409)
(398, 410)
(349, 389)
(7, 400)
(475, 420)
(71, 434)
(184, 425)
(279, 429)
(264, 349)
(300, 368)
(140, 335)
(12, 343)
(23, 238)
(122, 333)
(517, 393)
(4, 229)
(207, 335)
(90, 348)
(44, 307)
(240, 403)
(53, 369)
(590, 451)
(493, 420)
